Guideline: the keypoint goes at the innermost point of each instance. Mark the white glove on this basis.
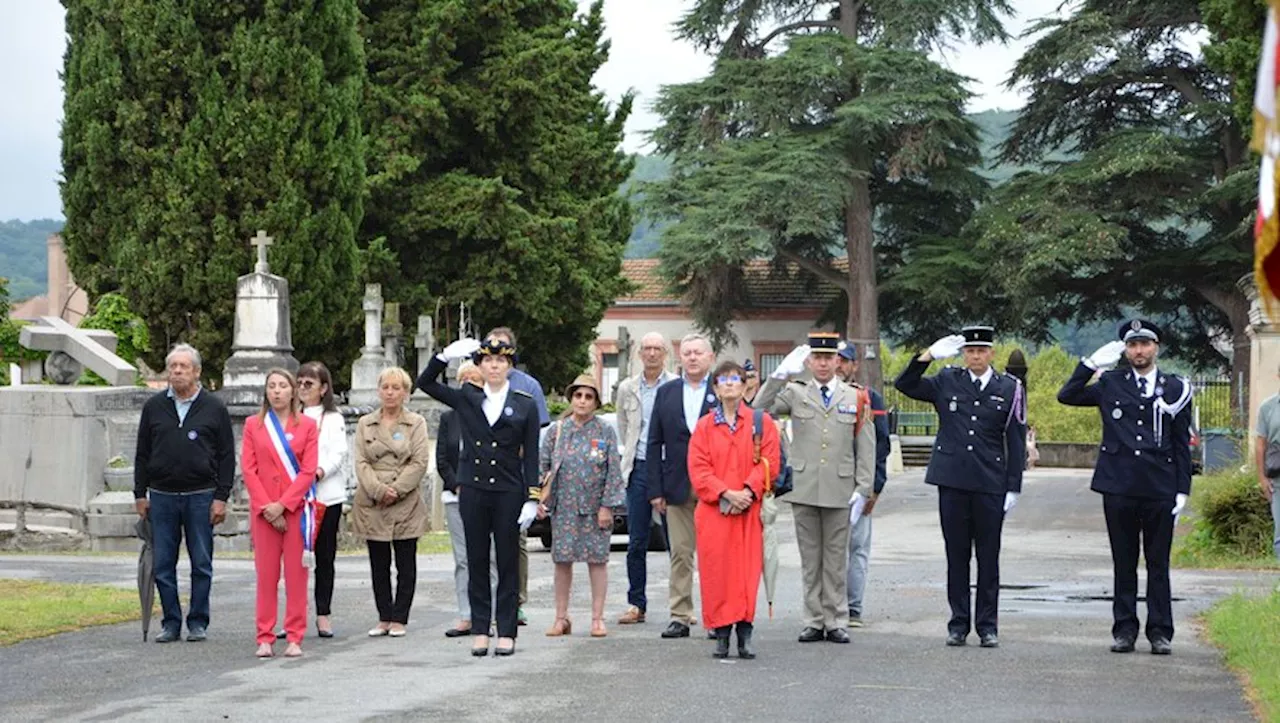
(1010, 500)
(856, 504)
(460, 349)
(947, 346)
(1180, 501)
(1106, 356)
(793, 363)
(528, 513)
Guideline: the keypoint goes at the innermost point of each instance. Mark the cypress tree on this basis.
(190, 124)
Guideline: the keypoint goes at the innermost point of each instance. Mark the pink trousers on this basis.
(270, 549)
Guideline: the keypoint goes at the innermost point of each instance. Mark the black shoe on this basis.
(956, 640)
(711, 634)
(456, 632)
(480, 652)
(168, 636)
(722, 646)
(1161, 646)
(811, 635)
(1122, 645)
(676, 629)
(989, 640)
(324, 633)
(745, 651)
(281, 635)
(197, 635)
(505, 651)
(839, 635)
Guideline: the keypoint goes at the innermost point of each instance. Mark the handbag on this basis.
(548, 477)
(1271, 460)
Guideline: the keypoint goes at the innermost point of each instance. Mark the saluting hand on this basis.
(1107, 355)
(460, 349)
(792, 364)
(946, 347)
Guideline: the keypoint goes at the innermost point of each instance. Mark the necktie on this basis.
(826, 396)
(1142, 386)
(977, 385)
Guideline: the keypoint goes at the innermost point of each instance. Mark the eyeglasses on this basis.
(652, 348)
(584, 395)
(728, 379)
(308, 383)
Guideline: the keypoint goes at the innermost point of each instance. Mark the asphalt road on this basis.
(1053, 663)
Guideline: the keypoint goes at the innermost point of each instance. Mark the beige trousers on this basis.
(822, 534)
(684, 543)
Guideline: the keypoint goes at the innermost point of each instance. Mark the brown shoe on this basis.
(560, 627)
(598, 629)
(632, 616)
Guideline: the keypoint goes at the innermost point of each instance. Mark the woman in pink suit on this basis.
(277, 483)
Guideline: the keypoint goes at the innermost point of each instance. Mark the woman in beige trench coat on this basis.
(388, 510)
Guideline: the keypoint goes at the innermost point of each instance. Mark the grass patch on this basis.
(1248, 631)
(33, 609)
(434, 543)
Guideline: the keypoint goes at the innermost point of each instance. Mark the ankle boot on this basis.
(722, 642)
(745, 651)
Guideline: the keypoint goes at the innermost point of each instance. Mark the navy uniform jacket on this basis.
(667, 460)
(1146, 442)
(882, 439)
(982, 439)
(501, 458)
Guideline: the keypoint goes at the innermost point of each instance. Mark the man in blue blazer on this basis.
(677, 407)
(1143, 472)
(976, 464)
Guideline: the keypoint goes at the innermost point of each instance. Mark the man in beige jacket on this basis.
(635, 407)
(832, 458)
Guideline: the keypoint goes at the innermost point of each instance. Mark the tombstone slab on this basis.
(94, 348)
(263, 336)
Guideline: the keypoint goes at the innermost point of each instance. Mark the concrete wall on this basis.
(1082, 455)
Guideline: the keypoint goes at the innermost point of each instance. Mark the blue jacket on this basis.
(982, 436)
(882, 439)
(1146, 442)
(667, 458)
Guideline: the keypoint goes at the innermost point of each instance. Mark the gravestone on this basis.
(263, 337)
(392, 333)
(75, 349)
(373, 359)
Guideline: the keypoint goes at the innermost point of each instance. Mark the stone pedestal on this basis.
(263, 338)
(1264, 358)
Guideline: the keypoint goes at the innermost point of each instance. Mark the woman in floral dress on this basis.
(586, 486)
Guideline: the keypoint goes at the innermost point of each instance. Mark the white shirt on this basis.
(693, 398)
(986, 377)
(331, 455)
(1151, 381)
(494, 401)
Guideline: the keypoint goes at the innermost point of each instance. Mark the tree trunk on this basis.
(1235, 304)
(863, 321)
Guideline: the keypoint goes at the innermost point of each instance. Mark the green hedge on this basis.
(1231, 520)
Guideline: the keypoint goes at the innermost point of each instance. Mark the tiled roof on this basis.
(767, 286)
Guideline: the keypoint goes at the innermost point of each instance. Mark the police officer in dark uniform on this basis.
(976, 465)
(1143, 471)
(498, 469)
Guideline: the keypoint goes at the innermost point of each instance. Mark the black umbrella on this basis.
(146, 573)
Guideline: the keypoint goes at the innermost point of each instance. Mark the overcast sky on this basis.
(644, 57)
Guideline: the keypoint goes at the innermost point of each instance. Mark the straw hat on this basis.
(584, 380)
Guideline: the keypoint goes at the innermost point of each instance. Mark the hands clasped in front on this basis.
(274, 514)
(739, 500)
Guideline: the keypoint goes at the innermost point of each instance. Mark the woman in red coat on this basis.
(728, 477)
(277, 482)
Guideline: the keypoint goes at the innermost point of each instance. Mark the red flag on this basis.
(1266, 140)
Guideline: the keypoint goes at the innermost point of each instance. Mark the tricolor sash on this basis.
(275, 430)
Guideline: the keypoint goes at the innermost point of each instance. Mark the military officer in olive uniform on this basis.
(976, 464)
(498, 471)
(1143, 472)
(830, 466)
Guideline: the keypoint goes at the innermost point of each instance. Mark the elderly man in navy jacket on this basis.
(976, 464)
(677, 407)
(1143, 472)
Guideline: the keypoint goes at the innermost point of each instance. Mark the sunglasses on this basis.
(308, 383)
(728, 379)
(584, 395)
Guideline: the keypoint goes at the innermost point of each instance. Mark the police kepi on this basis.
(976, 464)
(1143, 471)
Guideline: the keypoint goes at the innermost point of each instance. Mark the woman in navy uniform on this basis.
(976, 464)
(498, 476)
(1143, 472)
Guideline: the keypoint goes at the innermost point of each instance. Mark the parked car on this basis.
(542, 528)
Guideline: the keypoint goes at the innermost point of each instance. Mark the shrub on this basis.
(1233, 520)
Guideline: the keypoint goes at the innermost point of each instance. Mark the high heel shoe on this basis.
(560, 626)
(480, 647)
(322, 632)
(505, 651)
(598, 629)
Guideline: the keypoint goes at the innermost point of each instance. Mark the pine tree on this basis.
(190, 124)
(824, 132)
(494, 167)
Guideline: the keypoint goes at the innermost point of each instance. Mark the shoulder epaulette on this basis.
(522, 393)
(801, 382)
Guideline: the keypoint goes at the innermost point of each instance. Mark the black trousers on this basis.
(486, 514)
(972, 521)
(326, 552)
(394, 610)
(1132, 521)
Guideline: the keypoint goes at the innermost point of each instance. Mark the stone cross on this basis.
(261, 241)
(94, 348)
(424, 341)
